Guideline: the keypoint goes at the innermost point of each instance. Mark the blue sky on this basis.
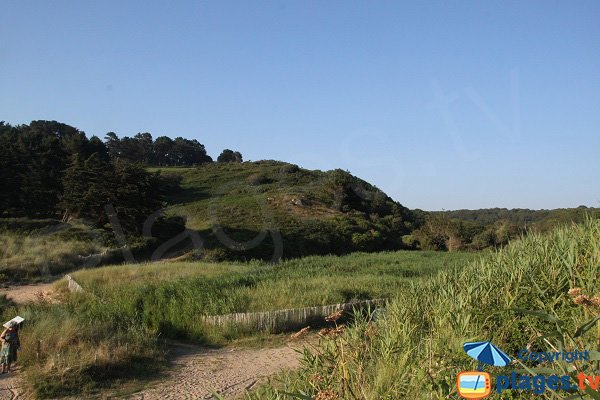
(443, 105)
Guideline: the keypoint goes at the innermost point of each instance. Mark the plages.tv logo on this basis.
(478, 384)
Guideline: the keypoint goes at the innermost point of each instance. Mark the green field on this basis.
(118, 325)
(210, 289)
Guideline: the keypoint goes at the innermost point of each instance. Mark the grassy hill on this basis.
(239, 211)
(271, 209)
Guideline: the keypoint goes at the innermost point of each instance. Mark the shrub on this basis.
(258, 179)
(289, 169)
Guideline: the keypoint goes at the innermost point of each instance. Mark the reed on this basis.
(517, 297)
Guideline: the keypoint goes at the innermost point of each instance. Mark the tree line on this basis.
(487, 228)
(51, 169)
(163, 151)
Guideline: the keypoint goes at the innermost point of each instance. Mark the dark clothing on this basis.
(10, 345)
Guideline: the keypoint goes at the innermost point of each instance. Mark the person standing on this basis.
(10, 344)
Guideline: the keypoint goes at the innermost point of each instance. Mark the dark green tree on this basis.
(162, 151)
(9, 174)
(89, 185)
(138, 195)
(97, 146)
(189, 152)
(113, 144)
(40, 161)
(229, 156)
(144, 144)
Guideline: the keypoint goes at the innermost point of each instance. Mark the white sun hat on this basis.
(17, 320)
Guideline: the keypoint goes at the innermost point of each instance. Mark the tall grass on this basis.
(518, 298)
(68, 351)
(222, 288)
(25, 257)
(101, 337)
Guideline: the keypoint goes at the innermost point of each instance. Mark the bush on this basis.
(289, 169)
(410, 242)
(258, 179)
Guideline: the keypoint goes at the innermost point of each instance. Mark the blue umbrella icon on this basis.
(487, 353)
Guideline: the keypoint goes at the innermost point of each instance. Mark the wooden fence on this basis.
(73, 285)
(287, 319)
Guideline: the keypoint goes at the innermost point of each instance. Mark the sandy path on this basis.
(27, 293)
(197, 373)
(10, 386)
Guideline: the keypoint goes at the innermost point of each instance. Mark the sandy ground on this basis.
(198, 373)
(10, 386)
(28, 293)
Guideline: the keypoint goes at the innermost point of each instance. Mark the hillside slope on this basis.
(272, 210)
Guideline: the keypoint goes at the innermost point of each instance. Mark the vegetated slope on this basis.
(300, 212)
(415, 350)
(44, 249)
(37, 249)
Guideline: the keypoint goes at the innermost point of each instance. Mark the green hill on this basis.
(271, 210)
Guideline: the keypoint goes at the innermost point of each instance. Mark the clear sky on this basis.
(442, 105)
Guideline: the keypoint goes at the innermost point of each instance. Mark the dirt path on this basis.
(28, 293)
(10, 386)
(198, 373)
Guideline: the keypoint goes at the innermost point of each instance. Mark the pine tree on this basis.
(88, 187)
(137, 195)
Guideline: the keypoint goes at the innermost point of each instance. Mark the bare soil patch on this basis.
(28, 293)
(198, 373)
